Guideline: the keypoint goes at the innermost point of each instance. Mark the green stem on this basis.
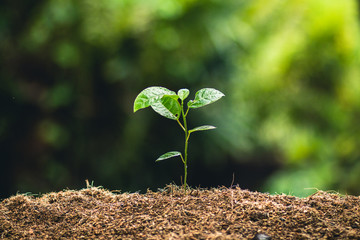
(186, 144)
(185, 166)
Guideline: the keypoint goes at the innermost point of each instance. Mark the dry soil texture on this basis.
(221, 213)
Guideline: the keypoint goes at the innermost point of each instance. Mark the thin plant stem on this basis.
(186, 143)
(185, 164)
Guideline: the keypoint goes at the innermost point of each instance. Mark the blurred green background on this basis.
(71, 69)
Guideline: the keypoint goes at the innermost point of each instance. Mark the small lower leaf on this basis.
(168, 155)
(202, 128)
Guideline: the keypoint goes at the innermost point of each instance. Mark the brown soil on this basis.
(220, 213)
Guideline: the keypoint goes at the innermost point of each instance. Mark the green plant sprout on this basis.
(166, 103)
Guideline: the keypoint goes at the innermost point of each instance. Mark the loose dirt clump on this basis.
(220, 213)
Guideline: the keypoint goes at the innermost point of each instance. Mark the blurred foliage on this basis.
(71, 70)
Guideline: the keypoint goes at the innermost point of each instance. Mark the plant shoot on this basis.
(171, 105)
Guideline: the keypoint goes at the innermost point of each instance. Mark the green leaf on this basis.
(204, 97)
(149, 96)
(168, 107)
(202, 128)
(168, 155)
(183, 93)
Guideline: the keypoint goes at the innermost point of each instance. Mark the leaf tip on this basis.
(136, 108)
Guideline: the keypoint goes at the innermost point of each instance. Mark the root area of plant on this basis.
(219, 213)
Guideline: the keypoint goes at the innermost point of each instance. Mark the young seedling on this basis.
(171, 105)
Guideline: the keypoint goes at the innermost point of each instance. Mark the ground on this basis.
(219, 213)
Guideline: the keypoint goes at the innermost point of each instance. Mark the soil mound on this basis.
(220, 213)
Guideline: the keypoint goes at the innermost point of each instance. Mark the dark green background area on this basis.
(70, 71)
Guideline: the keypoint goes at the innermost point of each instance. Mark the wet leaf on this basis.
(168, 155)
(149, 96)
(168, 107)
(183, 93)
(202, 128)
(204, 97)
